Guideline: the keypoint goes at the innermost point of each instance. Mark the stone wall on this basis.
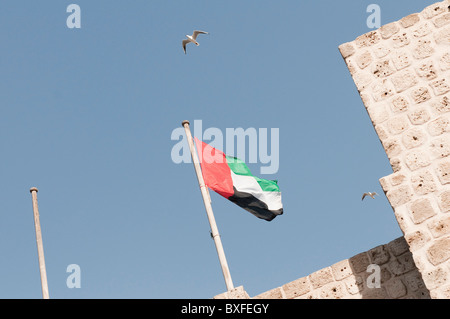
(402, 73)
(354, 278)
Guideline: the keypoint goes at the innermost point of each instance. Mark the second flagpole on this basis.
(40, 246)
(207, 201)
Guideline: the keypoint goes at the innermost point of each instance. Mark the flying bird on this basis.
(369, 194)
(192, 38)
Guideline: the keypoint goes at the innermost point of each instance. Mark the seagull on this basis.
(192, 38)
(369, 194)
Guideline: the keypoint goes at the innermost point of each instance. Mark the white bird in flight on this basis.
(369, 194)
(192, 38)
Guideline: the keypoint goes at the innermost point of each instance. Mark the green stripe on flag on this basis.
(240, 168)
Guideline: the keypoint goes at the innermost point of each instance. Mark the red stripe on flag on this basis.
(215, 170)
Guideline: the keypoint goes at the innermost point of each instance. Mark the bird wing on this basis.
(196, 33)
(184, 45)
(364, 195)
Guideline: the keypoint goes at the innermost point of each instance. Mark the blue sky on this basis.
(87, 116)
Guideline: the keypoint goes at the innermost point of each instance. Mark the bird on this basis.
(192, 38)
(371, 194)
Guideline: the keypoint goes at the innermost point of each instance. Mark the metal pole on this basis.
(209, 212)
(40, 246)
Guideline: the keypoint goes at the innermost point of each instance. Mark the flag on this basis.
(231, 178)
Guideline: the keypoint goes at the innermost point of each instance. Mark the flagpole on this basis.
(40, 246)
(209, 212)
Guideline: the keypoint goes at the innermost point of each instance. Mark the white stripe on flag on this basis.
(247, 184)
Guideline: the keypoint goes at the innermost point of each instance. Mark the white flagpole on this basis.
(40, 246)
(207, 201)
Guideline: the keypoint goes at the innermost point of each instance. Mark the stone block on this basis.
(381, 132)
(416, 159)
(359, 263)
(321, 278)
(346, 49)
(439, 227)
(410, 20)
(440, 86)
(380, 51)
(334, 290)
(296, 288)
(433, 10)
(382, 69)
(440, 147)
(422, 30)
(354, 284)
(436, 277)
(399, 104)
(397, 125)
(403, 219)
(379, 255)
(392, 147)
(400, 40)
(341, 270)
(309, 295)
(397, 179)
(413, 281)
(402, 264)
(399, 196)
(388, 30)
(420, 95)
(398, 246)
(401, 60)
(441, 105)
(419, 116)
(384, 184)
(395, 288)
(396, 164)
(375, 293)
(444, 201)
(238, 293)
(417, 239)
(443, 36)
(413, 138)
(421, 210)
(423, 49)
(427, 70)
(385, 274)
(439, 251)
(367, 40)
(403, 80)
(364, 59)
(439, 126)
(382, 90)
(442, 20)
(423, 182)
(443, 172)
(441, 292)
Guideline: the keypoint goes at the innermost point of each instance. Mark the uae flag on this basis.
(231, 178)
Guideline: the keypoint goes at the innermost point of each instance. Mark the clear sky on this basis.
(87, 116)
